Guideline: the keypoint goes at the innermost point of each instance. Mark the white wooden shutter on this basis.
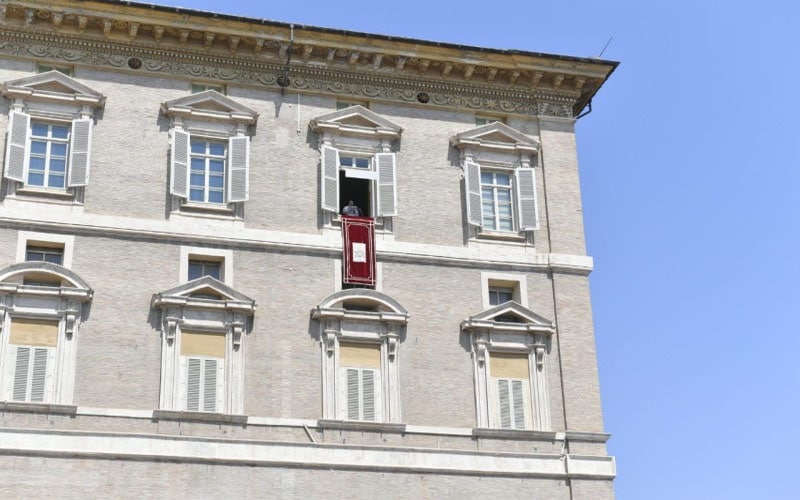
(17, 148)
(30, 374)
(193, 384)
(210, 385)
(519, 404)
(179, 164)
(473, 191)
(329, 175)
(526, 195)
(353, 400)
(386, 164)
(504, 403)
(20, 392)
(80, 146)
(368, 395)
(238, 169)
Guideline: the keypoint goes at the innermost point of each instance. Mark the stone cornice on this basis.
(200, 45)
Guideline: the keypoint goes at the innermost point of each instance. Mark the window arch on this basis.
(360, 331)
(41, 306)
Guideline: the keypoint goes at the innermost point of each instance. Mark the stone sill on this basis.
(589, 437)
(50, 409)
(515, 434)
(199, 416)
(348, 425)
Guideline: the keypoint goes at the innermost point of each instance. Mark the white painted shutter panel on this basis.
(17, 148)
(179, 165)
(526, 194)
(387, 184)
(193, 384)
(504, 405)
(368, 395)
(238, 169)
(39, 374)
(473, 190)
(329, 166)
(80, 146)
(353, 406)
(519, 404)
(20, 392)
(210, 385)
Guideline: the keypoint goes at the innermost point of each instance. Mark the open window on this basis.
(500, 179)
(360, 331)
(41, 310)
(48, 149)
(509, 351)
(357, 163)
(203, 326)
(210, 156)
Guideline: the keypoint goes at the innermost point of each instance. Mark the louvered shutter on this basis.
(210, 385)
(80, 145)
(504, 403)
(387, 184)
(20, 392)
(238, 169)
(368, 395)
(193, 384)
(329, 175)
(17, 147)
(39, 374)
(353, 399)
(526, 195)
(473, 190)
(179, 164)
(519, 404)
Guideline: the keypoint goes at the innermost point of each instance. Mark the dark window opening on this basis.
(355, 189)
(54, 255)
(508, 318)
(200, 268)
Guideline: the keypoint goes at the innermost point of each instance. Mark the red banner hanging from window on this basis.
(358, 235)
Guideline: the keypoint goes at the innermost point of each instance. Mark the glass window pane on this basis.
(54, 258)
(503, 179)
(36, 163)
(34, 255)
(217, 148)
(215, 196)
(198, 180)
(216, 181)
(56, 181)
(196, 195)
(198, 147)
(35, 179)
(346, 161)
(198, 164)
(362, 162)
(212, 270)
(57, 165)
(486, 178)
(503, 196)
(216, 165)
(38, 147)
(195, 271)
(488, 223)
(39, 130)
(58, 149)
(60, 131)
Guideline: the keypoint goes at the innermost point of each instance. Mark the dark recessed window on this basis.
(54, 255)
(200, 268)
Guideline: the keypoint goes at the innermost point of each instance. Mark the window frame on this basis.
(52, 240)
(208, 158)
(494, 187)
(65, 305)
(49, 142)
(383, 328)
(223, 256)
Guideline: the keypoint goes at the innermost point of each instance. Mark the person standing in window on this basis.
(351, 209)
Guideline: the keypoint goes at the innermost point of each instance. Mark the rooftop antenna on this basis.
(605, 46)
(283, 78)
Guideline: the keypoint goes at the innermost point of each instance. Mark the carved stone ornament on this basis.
(236, 327)
(170, 328)
(70, 316)
(62, 48)
(329, 336)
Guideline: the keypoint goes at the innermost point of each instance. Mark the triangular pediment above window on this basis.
(509, 315)
(356, 120)
(210, 105)
(205, 293)
(498, 136)
(53, 86)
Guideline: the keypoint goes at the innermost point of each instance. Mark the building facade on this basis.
(186, 310)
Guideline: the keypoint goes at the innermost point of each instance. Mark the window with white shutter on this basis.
(32, 344)
(49, 151)
(209, 165)
(202, 366)
(360, 382)
(511, 383)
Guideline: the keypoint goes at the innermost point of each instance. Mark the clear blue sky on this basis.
(691, 190)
